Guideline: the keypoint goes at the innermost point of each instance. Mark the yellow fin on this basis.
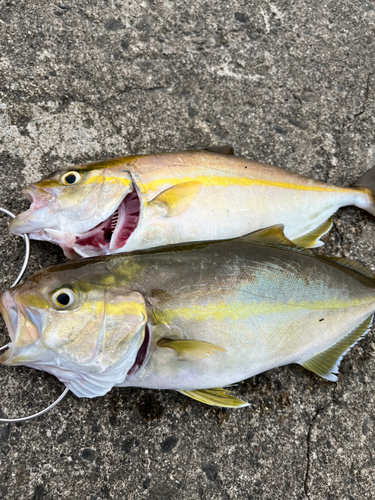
(216, 397)
(326, 363)
(349, 264)
(190, 349)
(311, 239)
(274, 236)
(177, 199)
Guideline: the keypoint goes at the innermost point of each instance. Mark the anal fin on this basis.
(311, 239)
(273, 236)
(326, 363)
(216, 397)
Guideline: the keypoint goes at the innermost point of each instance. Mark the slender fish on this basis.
(190, 318)
(140, 202)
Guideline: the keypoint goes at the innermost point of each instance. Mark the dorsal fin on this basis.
(350, 264)
(224, 150)
(273, 236)
(326, 363)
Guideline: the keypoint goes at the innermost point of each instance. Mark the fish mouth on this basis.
(9, 311)
(23, 326)
(25, 222)
(141, 354)
(114, 232)
(105, 238)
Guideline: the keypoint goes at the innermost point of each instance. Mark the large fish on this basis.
(140, 202)
(193, 318)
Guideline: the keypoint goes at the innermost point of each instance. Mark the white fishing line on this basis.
(27, 251)
(20, 274)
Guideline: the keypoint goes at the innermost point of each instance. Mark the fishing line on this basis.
(20, 274)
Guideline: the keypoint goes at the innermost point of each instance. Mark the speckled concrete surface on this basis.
(289, 83)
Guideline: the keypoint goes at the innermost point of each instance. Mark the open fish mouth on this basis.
(114, 232)
(105, 238)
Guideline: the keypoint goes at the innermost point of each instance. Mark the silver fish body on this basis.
(140, 202)
(189, 318)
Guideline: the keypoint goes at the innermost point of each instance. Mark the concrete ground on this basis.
(286, 82)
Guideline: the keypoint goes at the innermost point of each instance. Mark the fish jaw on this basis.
(40, 222)
(24, 328)
(37, 217)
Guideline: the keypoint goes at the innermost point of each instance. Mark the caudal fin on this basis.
(366, 184)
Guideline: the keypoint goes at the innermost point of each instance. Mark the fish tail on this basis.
(366, 184)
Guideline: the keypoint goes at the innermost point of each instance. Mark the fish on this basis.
(140, 202)
(192, 318)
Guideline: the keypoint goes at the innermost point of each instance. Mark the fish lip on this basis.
(13, 312)
(112, 233)
(10, 313)
(25, 222)
(11, 322)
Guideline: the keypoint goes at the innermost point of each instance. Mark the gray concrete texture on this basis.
(286, 82)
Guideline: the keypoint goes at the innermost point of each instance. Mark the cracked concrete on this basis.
(288, 83)
(318, 411)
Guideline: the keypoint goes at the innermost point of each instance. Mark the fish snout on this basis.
(34, 219)
(9, 311)
(23, 325)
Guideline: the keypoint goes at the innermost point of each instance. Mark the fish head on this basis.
(87, 334)
(83, 204)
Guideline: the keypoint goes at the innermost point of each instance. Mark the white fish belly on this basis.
(289, 334)
(221, 213)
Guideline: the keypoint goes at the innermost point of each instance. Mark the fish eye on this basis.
(71, 178)
(64, 298)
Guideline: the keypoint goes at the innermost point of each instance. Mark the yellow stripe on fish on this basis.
(225, 181)
(235, 310)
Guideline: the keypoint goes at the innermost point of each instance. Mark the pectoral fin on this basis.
(216, 397)
(177, 199)
(190, 349)
(326, 363)
(311, 239)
